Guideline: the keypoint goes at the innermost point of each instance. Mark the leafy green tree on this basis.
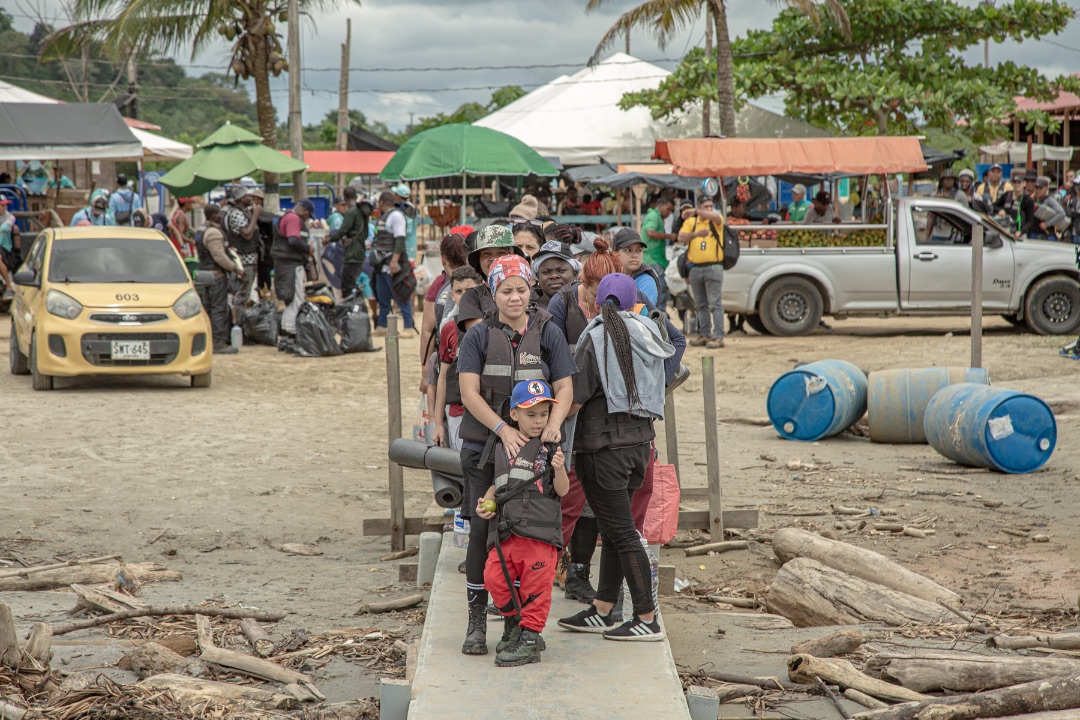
(898, 69)
(664, 19)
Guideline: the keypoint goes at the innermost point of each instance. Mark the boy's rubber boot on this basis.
(578, 586)
(524, 650)
(476, 635)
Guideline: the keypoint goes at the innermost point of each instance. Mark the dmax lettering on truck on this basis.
(1003, 282)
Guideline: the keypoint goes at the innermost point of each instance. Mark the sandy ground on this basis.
(290, 450)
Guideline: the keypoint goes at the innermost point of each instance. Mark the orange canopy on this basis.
(729, 157)
(359, 162)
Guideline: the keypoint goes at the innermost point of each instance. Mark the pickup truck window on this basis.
(939, 227)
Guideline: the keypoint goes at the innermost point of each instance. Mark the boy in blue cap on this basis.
(524, 542)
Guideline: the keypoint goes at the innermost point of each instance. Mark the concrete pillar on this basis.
(430, 543)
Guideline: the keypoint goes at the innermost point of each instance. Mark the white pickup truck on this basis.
(922, 266)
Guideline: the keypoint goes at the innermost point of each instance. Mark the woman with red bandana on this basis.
(519, 343)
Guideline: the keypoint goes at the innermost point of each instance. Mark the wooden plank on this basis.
(699, 519)
(413, 526)
(712, 450)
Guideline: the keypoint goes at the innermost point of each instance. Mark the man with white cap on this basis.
(799, 204)
(401, 190)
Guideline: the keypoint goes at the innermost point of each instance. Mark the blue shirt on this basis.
(335, 220)
(124, 200)
(7, 222)
(647, 285)
(105, 218)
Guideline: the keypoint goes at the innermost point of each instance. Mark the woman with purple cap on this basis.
(618, 394)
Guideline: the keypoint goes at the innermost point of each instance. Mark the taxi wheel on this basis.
(201, 381)
(19, 363)
(39, 381)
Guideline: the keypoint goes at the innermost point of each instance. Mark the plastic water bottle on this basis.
(237, 337)
(461, 530)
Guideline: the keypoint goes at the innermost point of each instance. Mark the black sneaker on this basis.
(588, 620)
(637, 630)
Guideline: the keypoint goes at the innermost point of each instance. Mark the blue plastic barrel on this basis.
(896, 400)
(991, 427)
(817, 400)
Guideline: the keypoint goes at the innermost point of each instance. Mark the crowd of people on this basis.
(545, 362)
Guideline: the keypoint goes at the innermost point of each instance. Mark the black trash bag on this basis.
(314, 333)
(353, 322)
(260, 324)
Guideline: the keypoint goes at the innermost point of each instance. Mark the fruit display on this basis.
(758, 233)
(830, 238)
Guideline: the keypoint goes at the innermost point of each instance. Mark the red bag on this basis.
(662, 517)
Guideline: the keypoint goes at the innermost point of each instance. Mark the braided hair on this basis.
(616, 334)
(561, 232)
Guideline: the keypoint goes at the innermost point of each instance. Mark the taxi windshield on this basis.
(115, 260)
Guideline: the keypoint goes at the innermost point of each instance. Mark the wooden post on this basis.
(639, 192)
(976, 294)
(343, 102)
(296, 126)
(393, 391)
(671, 433)
(712, 450)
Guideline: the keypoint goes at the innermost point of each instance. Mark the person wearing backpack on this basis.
(703, 234)
(210, 245)
(124, 201)
(290, 251)
(387, 259)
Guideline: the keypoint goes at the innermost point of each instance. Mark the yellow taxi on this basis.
(107, 301)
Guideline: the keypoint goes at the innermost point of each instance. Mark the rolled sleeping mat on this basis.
(445, 460)
(896, 400)
(982, 426)
(408, 453)
(448, 489)
(817, 400)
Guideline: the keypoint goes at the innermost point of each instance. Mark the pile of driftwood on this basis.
(1026, 673)
(187, 667)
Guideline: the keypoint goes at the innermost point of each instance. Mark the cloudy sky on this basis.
(491, 41)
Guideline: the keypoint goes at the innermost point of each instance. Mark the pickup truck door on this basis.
(935, 263)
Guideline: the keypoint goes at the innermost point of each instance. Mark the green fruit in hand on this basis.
(488, 506)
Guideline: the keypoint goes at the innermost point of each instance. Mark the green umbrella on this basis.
(463, 149)
(228, 153)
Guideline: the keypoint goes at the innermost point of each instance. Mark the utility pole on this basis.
(343, 102)
(706, 110)
(296, 127)
(131, 107)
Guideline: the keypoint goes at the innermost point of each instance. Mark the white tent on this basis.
(577, 118)
(154, 147)
(1016, 152)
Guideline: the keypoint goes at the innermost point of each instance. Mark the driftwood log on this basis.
(258, 638)
(838, 643)
(1058, 641)
(199, 694)
(232, 613)
(64, 576)
(965, 672)
(717, 547)
(806, 669)
(792, 543)
(863, 699)
(399, 604)
(14, 712)
(1060, 693)
(23, 572)
(809, 594)
(10, 655)
(155, 659)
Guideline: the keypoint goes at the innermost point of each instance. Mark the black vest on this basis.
(453, 385)
(281, 247)
(504, 367)
(206, 260)
(576, 322)
(384, 239)
(597, 429)
(525, 509)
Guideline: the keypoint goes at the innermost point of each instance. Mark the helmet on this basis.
(492, 236)
(966, 172)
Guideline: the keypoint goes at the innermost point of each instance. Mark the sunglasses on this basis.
(526, 223)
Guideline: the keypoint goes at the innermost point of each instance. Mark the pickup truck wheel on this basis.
(1053, 306)
(18, 362)
(754, 321)
(791, 306)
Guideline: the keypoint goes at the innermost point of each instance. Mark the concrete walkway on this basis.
(582, 676)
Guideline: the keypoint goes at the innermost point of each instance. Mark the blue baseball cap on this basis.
(531, 392)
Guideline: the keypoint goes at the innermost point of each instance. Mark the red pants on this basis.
(574, 500)
(532, 564)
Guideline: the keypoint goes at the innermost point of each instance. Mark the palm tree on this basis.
(168, 26)
(667, 18)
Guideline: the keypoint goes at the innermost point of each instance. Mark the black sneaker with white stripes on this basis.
(588, 620)
(636, 630)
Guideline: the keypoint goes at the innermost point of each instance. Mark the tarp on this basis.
(14, 94)
(1016, 152)
(357, 162)
(620, 181)
(61, 131)
(716, 157)
(578, 119)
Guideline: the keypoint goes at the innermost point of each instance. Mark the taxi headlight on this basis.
(188, 306)
(61, 305)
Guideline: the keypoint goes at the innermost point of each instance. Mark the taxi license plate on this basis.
(131, 350)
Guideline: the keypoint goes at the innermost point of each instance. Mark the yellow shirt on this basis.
(704, 250)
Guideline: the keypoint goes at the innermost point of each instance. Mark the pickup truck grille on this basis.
(97, 348)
